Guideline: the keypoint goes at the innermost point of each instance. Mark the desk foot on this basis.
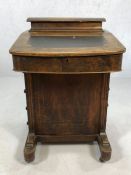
(30, 145)
(104, 146)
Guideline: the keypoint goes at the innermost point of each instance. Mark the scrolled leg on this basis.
(30, 146)
(105, 147)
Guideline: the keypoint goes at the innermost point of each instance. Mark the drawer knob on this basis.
(25, 91)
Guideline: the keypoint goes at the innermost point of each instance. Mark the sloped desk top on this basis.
(27, 45)
(54, 45)
(66, 37)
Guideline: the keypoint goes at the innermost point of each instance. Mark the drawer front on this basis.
(88, 64)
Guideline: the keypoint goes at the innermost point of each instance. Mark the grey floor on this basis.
(81, 159)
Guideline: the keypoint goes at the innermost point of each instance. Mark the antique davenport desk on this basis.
(67, 64)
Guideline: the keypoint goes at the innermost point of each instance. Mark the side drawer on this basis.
(90, 64)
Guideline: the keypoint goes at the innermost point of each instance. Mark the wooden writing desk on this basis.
(67, 64)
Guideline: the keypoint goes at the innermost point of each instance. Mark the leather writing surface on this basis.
(65, 46)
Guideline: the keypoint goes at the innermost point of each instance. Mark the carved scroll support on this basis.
(105, 147)
(30, 146)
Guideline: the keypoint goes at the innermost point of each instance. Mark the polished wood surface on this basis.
(64, 106)
(62, 26)
(50, 46)
(67, 65)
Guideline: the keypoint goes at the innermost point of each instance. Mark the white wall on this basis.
(13, 15)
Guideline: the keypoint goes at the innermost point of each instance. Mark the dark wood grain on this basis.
(46, 26)
(99, 64)
(68, 108)
(65, 104)
(67, 65)
(60, 139)
(104, 101)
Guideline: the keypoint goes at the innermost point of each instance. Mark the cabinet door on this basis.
(66, 104)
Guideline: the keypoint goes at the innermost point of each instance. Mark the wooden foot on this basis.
(104, 146)
(30, 145)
